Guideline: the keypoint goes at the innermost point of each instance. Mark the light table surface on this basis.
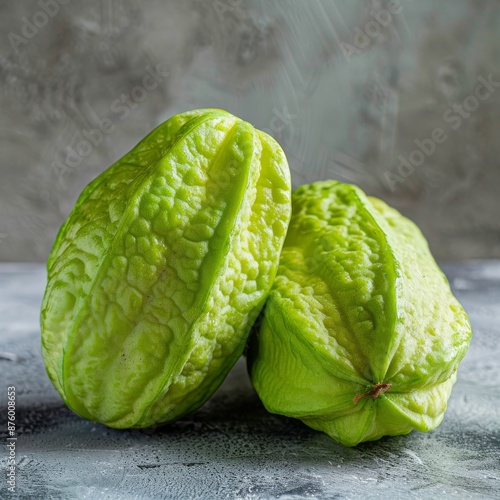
(233, 448)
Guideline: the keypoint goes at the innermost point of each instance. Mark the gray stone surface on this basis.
(231, 447)
(345, 96)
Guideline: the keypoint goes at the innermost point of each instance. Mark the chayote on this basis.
(161, 268)
(361, 336)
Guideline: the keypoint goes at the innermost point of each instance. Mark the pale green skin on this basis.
(358, 300)
(161, 268)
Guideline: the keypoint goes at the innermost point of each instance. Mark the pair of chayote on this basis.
(161, 269)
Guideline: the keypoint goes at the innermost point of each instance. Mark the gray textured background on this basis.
(345, 97)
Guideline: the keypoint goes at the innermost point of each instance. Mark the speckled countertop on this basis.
(232, 448)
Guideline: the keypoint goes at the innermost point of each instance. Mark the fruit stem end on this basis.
(377, 390)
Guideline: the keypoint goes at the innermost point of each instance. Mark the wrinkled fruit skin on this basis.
(361, 336)
(161, 268)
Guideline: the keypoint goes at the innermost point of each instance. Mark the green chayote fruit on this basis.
(161, 268)
(361, 336)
